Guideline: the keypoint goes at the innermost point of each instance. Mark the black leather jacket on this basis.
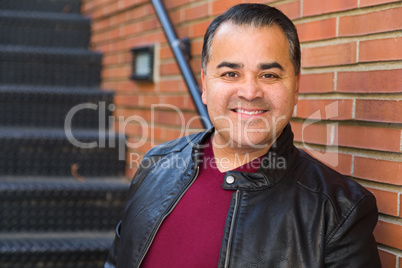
(300, 214)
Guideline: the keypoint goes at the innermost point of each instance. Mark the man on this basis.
(241, 194)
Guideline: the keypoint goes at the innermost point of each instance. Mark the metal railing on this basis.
(186, 71)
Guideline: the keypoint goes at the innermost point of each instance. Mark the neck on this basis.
(230, 157)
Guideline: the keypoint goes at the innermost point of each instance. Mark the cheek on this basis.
(282, 100)
(218, 96)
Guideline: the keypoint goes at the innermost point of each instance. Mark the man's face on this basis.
(249, 87)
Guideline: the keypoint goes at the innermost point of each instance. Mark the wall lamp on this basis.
(144, 65)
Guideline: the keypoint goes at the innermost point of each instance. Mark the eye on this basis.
(269, 76)
(230, 74)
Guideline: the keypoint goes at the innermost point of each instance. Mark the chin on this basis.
(256, 143)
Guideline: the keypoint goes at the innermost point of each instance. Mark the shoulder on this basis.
(176, 145)
(343, 193)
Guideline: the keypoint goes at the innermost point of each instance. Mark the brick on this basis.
(172, 86)
(143, 87)
(143, 40)
(169, 69)
(149, 24)
(176, 16)
(196, 12)
(148, 100)
(134, 129)
(172, 134)
(183, 30)
(166, 53)
(100, 25)
(175, 3)
(124, 5)
(195, 65)
(325, 109)
(387, 259)
(381, 50)
(118, 19)
(316, 7)
(316, 133)
(375, 22)
(198, 29)
(196, 47)
(364, 3)
(220, 6)
(110, 8)
(139, 12)
(139, 149)
(168, 116)
(155, 133)
(341, 54)
(382, 81)
(193, 121)
(389, 234)
(378, 170)
(316, 83)
(126, 100)
(387, 202)
(379, 110)
(189, 103)
(125, 113)
(292, 9)
(177, 101)
(317, 30)
(110, 59)
(120, 71)
(369, 138)
(400, 208)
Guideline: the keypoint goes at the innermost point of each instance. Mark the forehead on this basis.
(230, 30)
(249, 42)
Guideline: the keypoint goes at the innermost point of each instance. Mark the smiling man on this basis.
(250, 88)
(245, 196)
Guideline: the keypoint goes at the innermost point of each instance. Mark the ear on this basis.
(297, 82)
(204, 87)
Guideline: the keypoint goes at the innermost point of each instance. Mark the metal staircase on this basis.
(59, 202)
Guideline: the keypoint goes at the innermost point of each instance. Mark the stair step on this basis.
(47, 151)
(49, 66)
(62, 6)
(61, 203)
(44, 29)
(33, 106)
(54, 250)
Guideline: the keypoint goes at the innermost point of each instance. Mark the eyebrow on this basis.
(266, 66)
(262, 66)
(231, 65)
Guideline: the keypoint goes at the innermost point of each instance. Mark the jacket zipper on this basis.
(167, 213)
(228, 247)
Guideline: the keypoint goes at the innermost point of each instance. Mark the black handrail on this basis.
(183, 64)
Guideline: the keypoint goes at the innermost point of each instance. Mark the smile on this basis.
(249, 112)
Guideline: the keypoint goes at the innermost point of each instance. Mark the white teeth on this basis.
(249, 112)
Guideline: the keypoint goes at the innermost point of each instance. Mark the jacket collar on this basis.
(276, 163)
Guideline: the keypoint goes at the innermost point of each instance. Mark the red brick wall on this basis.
(350, 105)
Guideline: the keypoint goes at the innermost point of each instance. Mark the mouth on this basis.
(249, 111)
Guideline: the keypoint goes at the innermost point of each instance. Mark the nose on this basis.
(249, 90)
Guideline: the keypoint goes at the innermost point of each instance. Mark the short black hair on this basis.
(257, 15)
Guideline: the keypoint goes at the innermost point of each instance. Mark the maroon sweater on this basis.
(191, 235)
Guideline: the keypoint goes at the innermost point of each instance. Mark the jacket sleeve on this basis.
(140, 175)
(352, 244)
(111, 259)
